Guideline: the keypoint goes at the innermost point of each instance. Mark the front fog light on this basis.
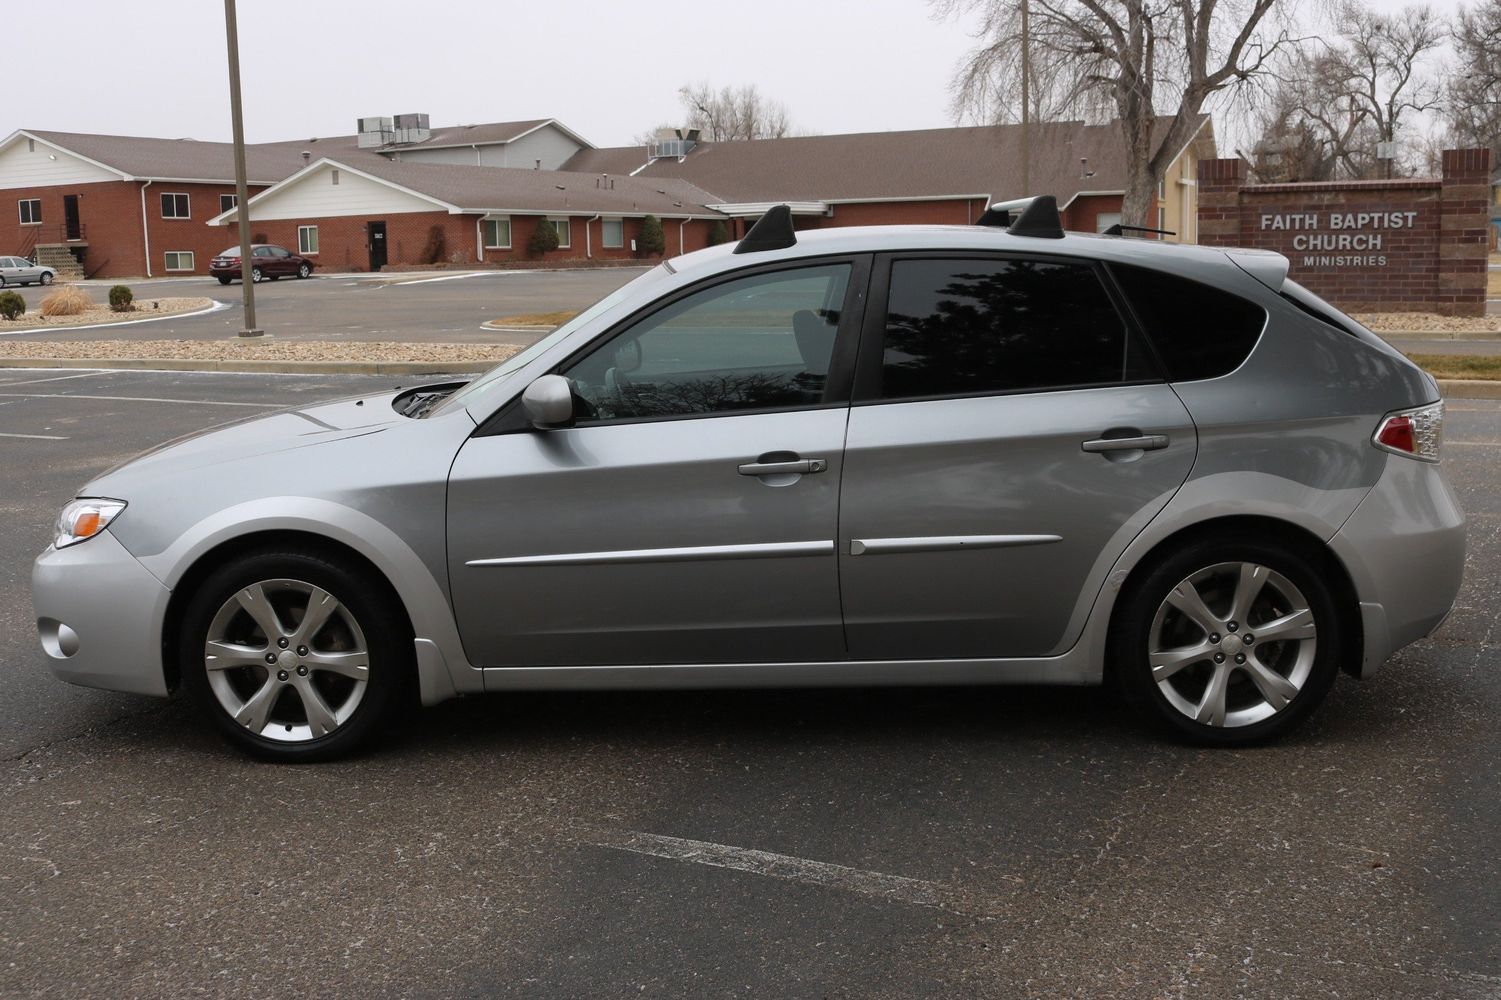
(84, 519)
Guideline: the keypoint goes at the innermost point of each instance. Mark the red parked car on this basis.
(266, 261)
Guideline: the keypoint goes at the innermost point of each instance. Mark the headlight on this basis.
(85, 518)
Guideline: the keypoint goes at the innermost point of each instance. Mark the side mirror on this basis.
(549, 402)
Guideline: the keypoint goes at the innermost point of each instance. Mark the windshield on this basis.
(516, 362)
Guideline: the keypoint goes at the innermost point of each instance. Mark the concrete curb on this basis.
(214, 306)
(257, 365)
(1469, 388)
(516, 329)
(1439, 335)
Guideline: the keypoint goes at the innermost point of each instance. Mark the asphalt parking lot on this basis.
(969, 843)
(345, 307)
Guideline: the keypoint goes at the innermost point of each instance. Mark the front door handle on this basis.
(1144, 442)
(800, 467)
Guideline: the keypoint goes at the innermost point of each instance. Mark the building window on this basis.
(1104, 220)
(31, 211)
(179, 260)
(175, 206)
(333, 176)
(31, 145)
(564, 239)
(307, 240)
(613, 236)
(227, 202)
(497, 234)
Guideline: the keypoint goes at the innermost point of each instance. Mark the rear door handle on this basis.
(1144, 442)
(802, 466)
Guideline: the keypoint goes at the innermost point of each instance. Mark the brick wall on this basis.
(1404, 245)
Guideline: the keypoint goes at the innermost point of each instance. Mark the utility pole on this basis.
(1026, 97)
(242, 199)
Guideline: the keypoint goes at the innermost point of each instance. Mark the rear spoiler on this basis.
(1267, 266)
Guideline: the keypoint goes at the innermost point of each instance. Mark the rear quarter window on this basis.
(1199, 331)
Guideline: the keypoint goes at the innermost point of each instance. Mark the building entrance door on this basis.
(70, 217)
(375, 238)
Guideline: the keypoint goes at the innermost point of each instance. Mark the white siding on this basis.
(314, 196)
(20, 168)
(462, 155)
(547, 144)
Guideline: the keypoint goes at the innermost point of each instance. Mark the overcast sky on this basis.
(609, 69)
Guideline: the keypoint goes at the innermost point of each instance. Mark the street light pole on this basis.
(242, 199)
(1026, 94)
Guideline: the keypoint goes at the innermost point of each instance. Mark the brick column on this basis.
(1220, 182)
(1463, 232)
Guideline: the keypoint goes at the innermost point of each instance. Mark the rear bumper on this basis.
(99, 616)
(1404, 548)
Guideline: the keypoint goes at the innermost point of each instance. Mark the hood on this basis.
(266, 434)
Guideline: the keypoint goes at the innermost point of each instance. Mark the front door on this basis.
(70, 217)
(375, 238)
(690, 515)
(1009, 437)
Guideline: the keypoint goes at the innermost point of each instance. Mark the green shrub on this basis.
(12, 306)
(544, 238)
(718, 233)
(652, 240)
(120, 299)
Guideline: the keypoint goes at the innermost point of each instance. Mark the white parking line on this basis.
(139, 399)
(880, 885)
(55, 378)
(37, 437)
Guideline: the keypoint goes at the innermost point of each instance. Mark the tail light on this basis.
(1416, 433)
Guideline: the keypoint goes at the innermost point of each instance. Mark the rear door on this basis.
(1009, 435)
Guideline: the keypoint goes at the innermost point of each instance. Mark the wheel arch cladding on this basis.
(1252, 527)
(281, 540)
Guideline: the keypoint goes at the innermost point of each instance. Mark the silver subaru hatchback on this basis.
(897, 456)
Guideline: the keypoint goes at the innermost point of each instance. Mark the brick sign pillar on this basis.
(1401, 245)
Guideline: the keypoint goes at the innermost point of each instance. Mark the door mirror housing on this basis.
(549, 402)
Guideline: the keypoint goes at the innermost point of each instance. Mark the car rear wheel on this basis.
(223, 280)
(46, 277)
(303, 271)
(293, 657)
(1229, 642)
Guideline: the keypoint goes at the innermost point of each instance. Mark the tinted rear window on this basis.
(1199, 332)
(975, 326)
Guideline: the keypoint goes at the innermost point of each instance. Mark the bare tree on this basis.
(733, 113)
(1474, 99)
(1332, 102)
(1132, 57)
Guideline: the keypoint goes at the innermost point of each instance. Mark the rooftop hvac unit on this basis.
(413, 121)
(374, 132)
(376, 125)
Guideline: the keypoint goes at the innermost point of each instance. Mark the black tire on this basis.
(1130, 661)
(304, 271)
(255, 274)
(390, 682)
(223, 280)
(46, 278)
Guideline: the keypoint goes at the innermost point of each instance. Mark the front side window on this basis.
(179, 260)
(307, 240)
(756, 343)
(980, 326)
(613, 233)
(31, 211)
(497, 234)
(561, 225)
(175, 206)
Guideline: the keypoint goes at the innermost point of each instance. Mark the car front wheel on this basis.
(46, 277)
(1230, 642)
(303, 271)
(255, 274)
(293, 657)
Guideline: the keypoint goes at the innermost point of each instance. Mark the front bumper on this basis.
(1405, 550)
(99, 616)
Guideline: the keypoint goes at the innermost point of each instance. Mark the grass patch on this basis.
(1477, 366)
(552, 319)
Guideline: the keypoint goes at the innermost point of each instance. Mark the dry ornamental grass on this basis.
(66, 300)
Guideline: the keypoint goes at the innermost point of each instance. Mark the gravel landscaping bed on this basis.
(1428, 323)
(144, 309)
(254, 350)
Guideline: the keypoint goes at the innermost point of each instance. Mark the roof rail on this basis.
(1039, 219)
(1118, 230)
(773, 231)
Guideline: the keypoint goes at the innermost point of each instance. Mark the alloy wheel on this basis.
(1232, 644)
(286, 660)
